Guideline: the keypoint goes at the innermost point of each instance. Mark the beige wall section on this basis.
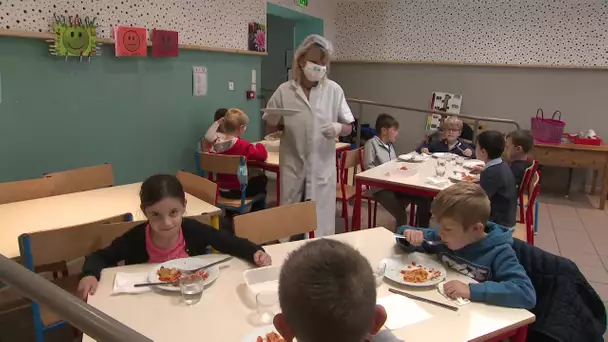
(510, 93)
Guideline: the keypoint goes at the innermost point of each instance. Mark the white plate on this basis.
(280, 111)
(457, 177)
(469, 164)
(412, 158)
(262, 331)
(396, 264)
(185, 264)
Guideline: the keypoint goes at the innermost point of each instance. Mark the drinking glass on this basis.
(267, 306)
(191, 287)
(379, 273)
(459, 160)
(449, 157)
(440, 169)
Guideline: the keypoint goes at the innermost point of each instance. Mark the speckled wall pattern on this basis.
(543, 32)
(211, 23)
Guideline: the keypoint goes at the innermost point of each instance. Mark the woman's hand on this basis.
(261, 258)
(87, 286)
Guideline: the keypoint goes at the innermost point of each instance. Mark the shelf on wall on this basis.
(50, 36)
(449, 63)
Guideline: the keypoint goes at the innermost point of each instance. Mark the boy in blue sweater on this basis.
(474, 247)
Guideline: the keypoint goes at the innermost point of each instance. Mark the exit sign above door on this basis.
(303, 3)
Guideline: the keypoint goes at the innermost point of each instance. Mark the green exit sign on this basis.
(303, 3)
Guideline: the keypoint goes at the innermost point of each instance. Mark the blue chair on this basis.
(45, 250)
(214, 164)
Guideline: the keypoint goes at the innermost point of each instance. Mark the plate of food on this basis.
(280, 111)
(412, 158)
(415, 270)
(471, 163)
(458, 177)
(170, 272)
(264, 334)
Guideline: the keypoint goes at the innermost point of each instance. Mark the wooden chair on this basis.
(276, 223)
(525, 231)
(199, 187)
(25, 190)
(344, 191)
(214, 164)
(523, 196)
(83, 179)
(63, 245)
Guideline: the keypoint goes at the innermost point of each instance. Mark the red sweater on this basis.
(244, 148)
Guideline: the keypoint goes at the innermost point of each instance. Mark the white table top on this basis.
(226, 311)
(273, 157)
(415, 177)
(76, 208)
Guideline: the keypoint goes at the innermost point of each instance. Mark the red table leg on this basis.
(357, 208)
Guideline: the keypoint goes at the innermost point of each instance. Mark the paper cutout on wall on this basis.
(165, 43)
(445, 103)
(257, 37)
(130, 41)
(73, 37)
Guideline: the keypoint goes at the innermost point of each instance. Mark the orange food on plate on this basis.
(468, 178)
(403, 168)
(171, 275)
(270, 337)
(417, 274)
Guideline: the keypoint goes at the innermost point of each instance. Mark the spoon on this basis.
(430, 243)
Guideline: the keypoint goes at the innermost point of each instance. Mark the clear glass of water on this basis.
(267, 304)
(449, 157)
(191, 286)
(379, 273)
(459, 160)
(440, 169)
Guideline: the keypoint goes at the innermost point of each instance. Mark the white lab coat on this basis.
(307, 158)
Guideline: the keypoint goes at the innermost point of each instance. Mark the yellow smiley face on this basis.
(76, 40)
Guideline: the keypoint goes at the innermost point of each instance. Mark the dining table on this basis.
(415, 178)
(227, 309)
(77, 208)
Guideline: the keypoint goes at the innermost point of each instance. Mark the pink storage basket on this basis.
(547, 130)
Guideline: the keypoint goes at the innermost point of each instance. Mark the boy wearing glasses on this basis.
(450, 142)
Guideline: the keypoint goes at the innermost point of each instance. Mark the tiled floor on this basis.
(573, 228)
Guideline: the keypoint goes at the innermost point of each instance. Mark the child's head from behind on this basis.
(462, 211)
(328, 294)
(163, 201)
(235, 122)
(452, 128)
(387, 128)
(219, 113)
(490, 145)
(519, 143)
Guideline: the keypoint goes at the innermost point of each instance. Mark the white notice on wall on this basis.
(199, 81)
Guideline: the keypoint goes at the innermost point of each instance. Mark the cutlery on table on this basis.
(430, 243)
(411, 296)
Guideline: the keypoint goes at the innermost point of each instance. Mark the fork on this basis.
(430, 243)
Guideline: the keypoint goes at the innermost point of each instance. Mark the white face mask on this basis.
(314, 72)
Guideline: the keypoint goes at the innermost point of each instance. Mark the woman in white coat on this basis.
(308, 148)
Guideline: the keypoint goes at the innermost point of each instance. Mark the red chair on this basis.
(344, 191)
(523, 190)
(525, 231)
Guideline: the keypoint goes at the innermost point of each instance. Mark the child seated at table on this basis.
(327, 293)
(475, 247)
(450, 142)
(204, 144)
(519, 145)
(496, 178)
(229, 142)
(379, 150)
(167, 235)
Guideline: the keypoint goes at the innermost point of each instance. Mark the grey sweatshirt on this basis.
(377, 153)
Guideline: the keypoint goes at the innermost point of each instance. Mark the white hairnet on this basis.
(310, 41)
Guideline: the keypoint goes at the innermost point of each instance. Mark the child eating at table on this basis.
(229, 142)
(379, 150)
(450, 142)
(327, 293)
(497, 179)
(475, 247)
(167, 235)
(519, 144)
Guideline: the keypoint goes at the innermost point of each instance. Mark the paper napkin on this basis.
(123, 283)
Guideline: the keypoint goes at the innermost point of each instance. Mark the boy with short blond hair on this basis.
(475, 247)
(229, 142)
(450, 142)
(327, 293)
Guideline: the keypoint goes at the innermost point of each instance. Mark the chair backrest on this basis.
(219, 163)
(534, 191)
(276, 223)
(524, 187)
(349, 159)
(199, 187)
(25, 190)
(70, 243)
(83, 179)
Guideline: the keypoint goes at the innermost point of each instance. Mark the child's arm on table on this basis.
(256, 152)
(511, 286)
(236, 246)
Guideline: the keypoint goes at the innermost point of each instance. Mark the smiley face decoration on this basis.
(165, 43)
(73, 37)
(130, 41)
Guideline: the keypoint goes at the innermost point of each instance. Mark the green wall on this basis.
(136, 113)
(305, 24)
(280, 39)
